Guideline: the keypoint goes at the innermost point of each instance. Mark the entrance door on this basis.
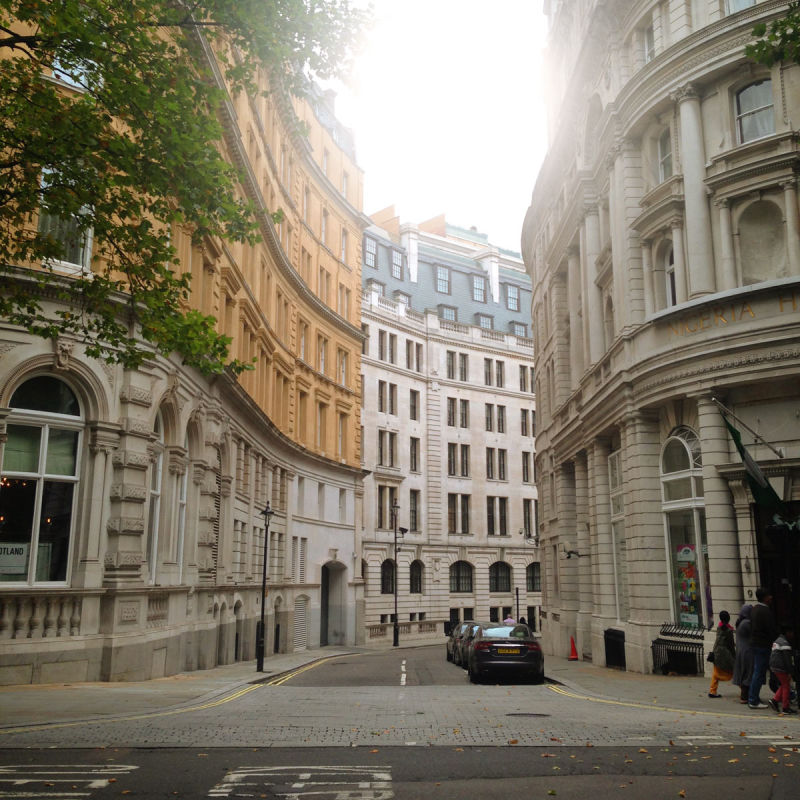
(333, 604)
(779, 558)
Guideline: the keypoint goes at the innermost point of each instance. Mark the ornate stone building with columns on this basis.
(449, 420)
(132, 538)
(662, 243)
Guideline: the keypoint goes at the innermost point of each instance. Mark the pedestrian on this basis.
(522, 621)
(781, 662)
(763, 632)
(509, 620)
(724, 654)
(743, 668)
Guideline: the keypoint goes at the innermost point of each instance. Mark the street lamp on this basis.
(267, 512)
(396, 627)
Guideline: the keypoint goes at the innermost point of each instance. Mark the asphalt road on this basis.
(403, 724)
(705, 773)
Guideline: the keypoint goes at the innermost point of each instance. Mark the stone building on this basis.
(662, 243)
(448, 422)
(132, 536)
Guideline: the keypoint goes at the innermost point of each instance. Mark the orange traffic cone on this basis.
(573, 653)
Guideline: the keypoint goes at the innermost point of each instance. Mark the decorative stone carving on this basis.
(126, 491)
(136, 395)
(128, 611)
(63, 353)
(128, 525)
(131, 459)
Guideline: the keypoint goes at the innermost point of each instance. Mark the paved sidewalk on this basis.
(37, 703)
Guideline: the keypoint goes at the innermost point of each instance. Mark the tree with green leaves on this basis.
(109, 138)
(778, 40)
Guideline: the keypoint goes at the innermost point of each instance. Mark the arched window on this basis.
(499, 577)
(755, 117)
(685, 523)
(460, 577)
(415, 577)
(154, 499)
(387, 576)
(41, 462)
(533, 577)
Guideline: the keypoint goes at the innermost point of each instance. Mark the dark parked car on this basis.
(455, 633)
(505, 650)
(464, 643)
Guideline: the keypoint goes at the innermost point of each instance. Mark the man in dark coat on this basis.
(763, 633)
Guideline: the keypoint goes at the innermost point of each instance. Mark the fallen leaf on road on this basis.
(549, 755)
(682, 793)
(742, 733)
(374, 751)
(733, 760)
(772, 749)
(642, 750)
(459, 749)
(671, 742)
(589, 744)
(513, 741)
(551, 791)
(554, 739)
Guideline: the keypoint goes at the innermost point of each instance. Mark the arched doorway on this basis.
(238, 642)
(333, 601)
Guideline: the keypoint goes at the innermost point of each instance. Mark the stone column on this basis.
(725, 577)
(699, 250)
(792, 225)
(561, 349)
(726, 268)
(575, 326)
(681, 278)
(592, 296)
(602, 557)
(583, 542)
(748, 552)
(104, 441)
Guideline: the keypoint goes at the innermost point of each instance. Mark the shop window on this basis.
(684, 514)
(39, 484)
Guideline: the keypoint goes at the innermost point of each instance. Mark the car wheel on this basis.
(474, 677)
(538, 677)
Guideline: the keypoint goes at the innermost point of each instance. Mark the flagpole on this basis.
(758, 438)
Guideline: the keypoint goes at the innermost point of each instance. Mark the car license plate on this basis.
(508, 651)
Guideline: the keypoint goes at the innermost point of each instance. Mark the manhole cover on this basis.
(526, 714)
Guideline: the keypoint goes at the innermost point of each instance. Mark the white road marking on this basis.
(321, 783)
(46, 780)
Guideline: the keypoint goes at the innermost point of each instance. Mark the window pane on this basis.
(17, 499)
(677, 490)
(62, 452)
(685, 573)
(46, 394)
(22, 449)
(676, 457)
(54, 527)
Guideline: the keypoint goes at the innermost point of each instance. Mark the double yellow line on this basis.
(229, 698)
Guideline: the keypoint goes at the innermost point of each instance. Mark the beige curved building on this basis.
(662, 242)
(133, 537)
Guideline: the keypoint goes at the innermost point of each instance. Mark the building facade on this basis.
(448, 424)
(662, 243)
(133, 534)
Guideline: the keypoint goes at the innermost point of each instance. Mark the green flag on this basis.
(762, 490)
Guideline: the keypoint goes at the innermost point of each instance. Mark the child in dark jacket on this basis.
(724, 654)
(781, 662)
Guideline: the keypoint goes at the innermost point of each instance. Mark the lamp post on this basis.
(267, 512)
(396, 627)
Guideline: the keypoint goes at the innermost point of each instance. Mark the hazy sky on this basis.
(447, 111)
